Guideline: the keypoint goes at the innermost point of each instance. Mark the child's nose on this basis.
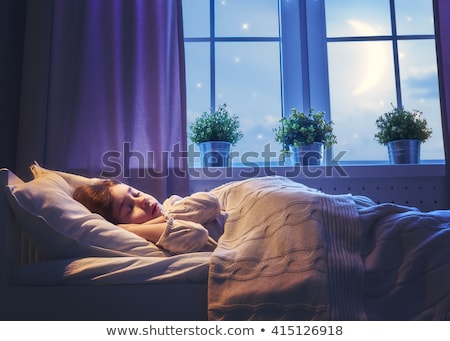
(143, 201)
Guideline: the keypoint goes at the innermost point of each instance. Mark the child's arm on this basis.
(150, 230)
(177, 236)
(183, 236)
(201, 207)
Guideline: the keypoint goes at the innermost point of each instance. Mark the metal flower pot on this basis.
(404, 151)
(215, 153)
(311, 154)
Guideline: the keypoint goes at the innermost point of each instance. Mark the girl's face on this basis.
(133, 207)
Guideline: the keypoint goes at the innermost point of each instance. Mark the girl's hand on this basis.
(150, 230)
(157, 220)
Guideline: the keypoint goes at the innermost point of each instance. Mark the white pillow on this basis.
(73, 180)
(62, 227)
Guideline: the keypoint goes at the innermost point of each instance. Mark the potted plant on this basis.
(305, 135)
(216, 132)
(403, 132)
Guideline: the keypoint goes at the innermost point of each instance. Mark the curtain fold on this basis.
(104, 91)
(442, 28)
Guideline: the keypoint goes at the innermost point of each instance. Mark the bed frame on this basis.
(176, 301)
(146, 302)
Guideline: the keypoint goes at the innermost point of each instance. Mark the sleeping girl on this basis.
(179, 225)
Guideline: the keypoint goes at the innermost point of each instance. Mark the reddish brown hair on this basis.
(97, 198)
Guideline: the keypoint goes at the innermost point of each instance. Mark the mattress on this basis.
(184, 268)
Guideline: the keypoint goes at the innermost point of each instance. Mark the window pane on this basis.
(348, 18)
(362, 87)
(248, 80)
(414, 16)
(420, 89)
(244, 18)
(197, 79)
(196, 18)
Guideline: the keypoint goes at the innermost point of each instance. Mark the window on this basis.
(233, 56)
(381, 53)
(349, 58)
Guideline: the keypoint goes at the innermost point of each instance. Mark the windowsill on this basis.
(341, 170)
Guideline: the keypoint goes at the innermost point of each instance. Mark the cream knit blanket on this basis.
(288, 253)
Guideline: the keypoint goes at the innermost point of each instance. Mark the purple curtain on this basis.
(104, 91)
(442, 27)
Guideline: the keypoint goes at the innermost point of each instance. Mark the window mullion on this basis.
(318, 79)
(212, 54)
(317, 56)
(395, 55)
(292, 73)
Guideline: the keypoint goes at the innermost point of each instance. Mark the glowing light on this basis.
(271, 119)
(245, 26)
(199, 85)
(376, 58)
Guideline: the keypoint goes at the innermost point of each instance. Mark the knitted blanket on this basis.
(289, 252)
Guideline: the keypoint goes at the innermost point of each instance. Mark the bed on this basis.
(288, 252)
(91, 282)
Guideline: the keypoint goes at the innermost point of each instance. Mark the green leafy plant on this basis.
(303, 129)
(218, 125)
(401, 124)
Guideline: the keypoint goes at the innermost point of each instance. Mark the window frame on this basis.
(212, 40)
(311, 45)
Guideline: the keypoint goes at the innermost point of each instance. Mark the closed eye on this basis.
(128, 203)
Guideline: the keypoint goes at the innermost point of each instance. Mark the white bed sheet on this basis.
(184, 268)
